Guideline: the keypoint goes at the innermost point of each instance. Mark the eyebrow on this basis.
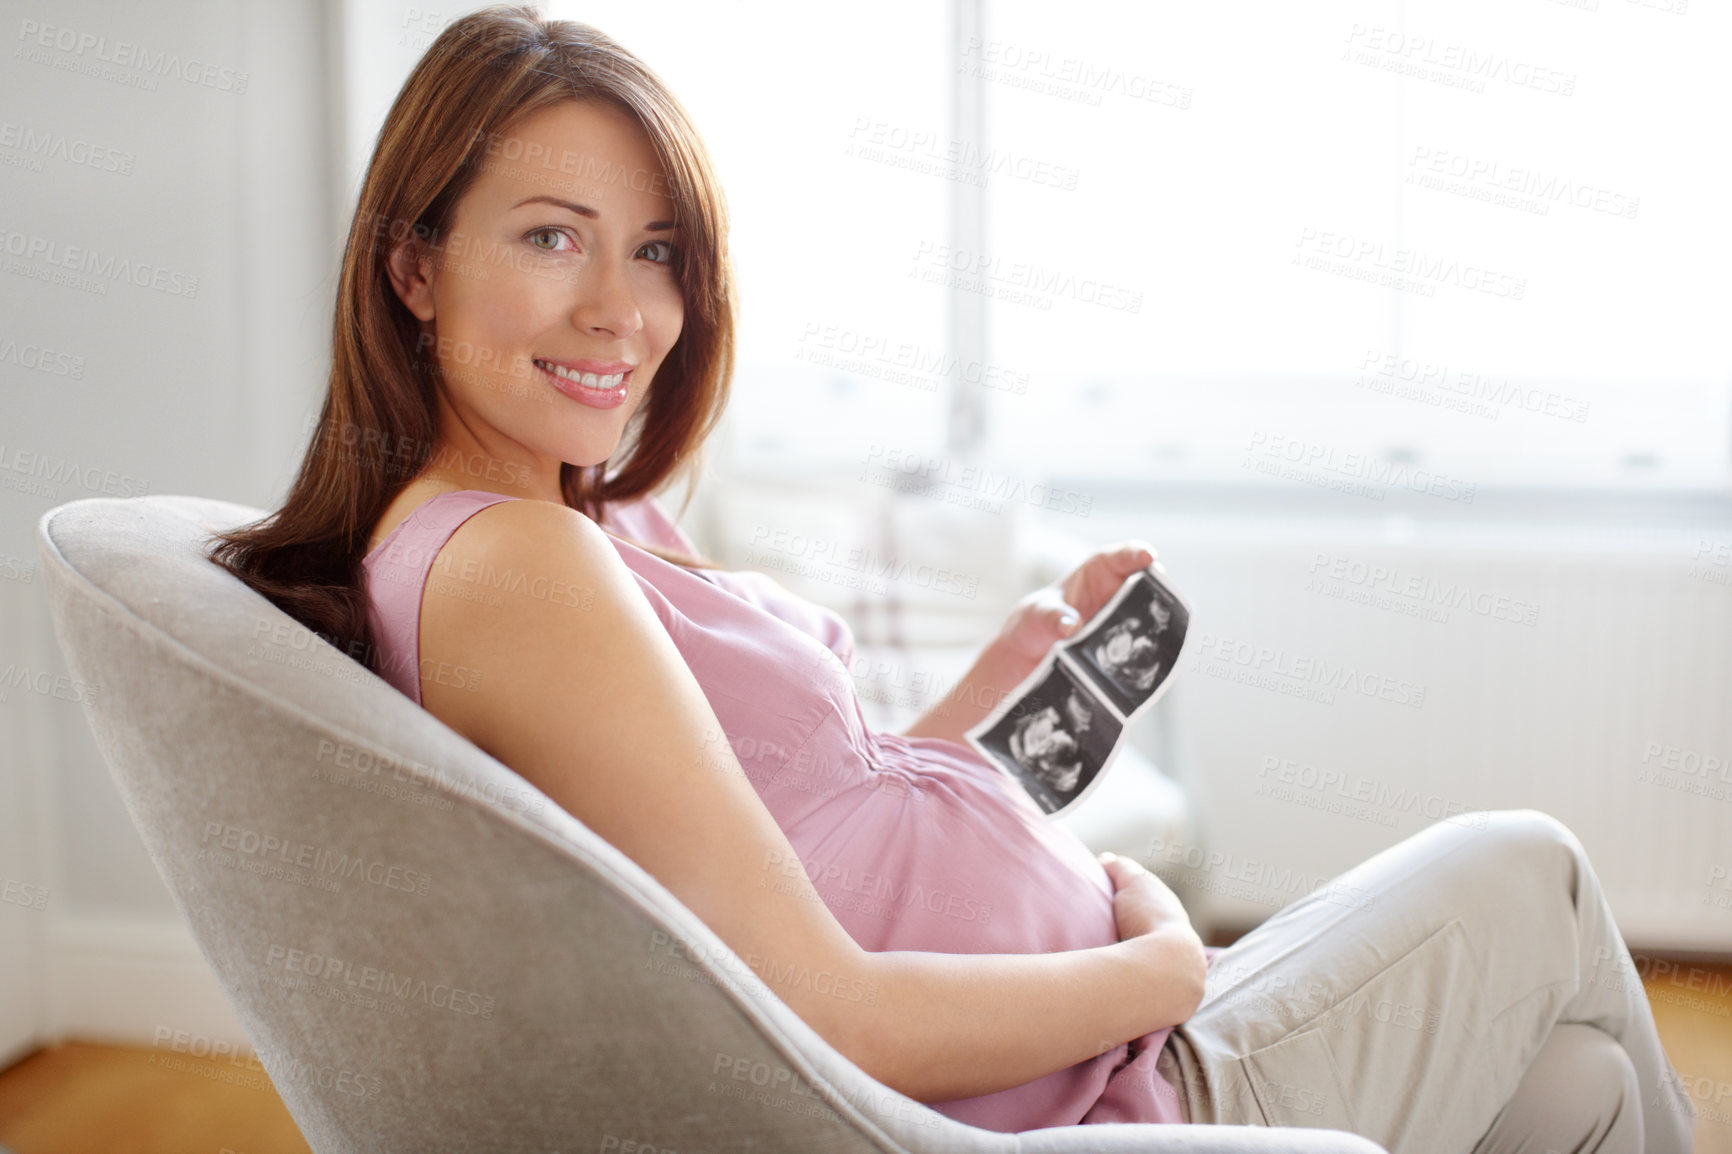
(585, 210)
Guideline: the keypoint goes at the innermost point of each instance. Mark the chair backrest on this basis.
(426, 952)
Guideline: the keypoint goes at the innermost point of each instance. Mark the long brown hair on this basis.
(376, 431)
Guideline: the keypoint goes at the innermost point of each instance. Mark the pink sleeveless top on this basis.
(914, 843)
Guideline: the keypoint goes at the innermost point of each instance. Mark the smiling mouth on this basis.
(588, 380)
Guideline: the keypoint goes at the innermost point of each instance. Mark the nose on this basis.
(604, 301)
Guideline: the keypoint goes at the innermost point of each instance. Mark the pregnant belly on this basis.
(934, 850)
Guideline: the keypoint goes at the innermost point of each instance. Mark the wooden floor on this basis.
(78, 1098)
(1692, 1005)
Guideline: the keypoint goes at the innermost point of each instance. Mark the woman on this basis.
(533, 335)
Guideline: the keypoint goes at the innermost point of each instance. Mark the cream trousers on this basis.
(1463, 992)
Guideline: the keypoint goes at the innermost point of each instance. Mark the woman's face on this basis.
(557, 264)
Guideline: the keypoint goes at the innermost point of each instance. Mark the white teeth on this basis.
(612, 381)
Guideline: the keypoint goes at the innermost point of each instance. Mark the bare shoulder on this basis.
(512, 588)
(518, 525)
(576, 685)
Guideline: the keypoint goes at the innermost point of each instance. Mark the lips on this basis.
(605, 375)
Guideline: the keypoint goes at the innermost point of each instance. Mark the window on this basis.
(1480, 244)
(1483, 240)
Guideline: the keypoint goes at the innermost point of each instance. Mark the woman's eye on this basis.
(552, 235)
(665, 246)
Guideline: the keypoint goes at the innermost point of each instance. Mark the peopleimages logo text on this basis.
(90, 262)
(124, 54)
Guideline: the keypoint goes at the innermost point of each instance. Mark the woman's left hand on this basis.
(1054, 612)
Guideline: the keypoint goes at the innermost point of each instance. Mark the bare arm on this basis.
(596, 708)
(1037, 621)
(994, 674)
(958, 1025)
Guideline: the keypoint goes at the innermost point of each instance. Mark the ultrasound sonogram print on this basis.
(1045, 743)
(1055, 742)
(1135, 645)
(1058, 731)
(1128, 653)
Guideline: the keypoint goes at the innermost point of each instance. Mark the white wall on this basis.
(1530, 664)
(188, 141)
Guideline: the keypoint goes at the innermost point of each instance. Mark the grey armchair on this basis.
(425, 951)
